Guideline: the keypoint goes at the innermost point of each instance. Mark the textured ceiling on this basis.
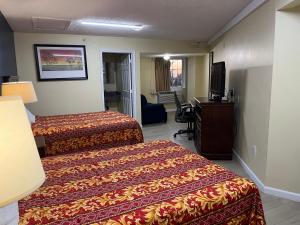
(194, 20)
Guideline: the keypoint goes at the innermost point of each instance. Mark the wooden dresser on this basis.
(214, 128)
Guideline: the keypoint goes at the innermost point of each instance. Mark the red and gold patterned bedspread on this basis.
(80, 132)
(157, 182)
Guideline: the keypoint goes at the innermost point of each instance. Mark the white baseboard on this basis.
(282, 193)
(251, 174)
(266, 189)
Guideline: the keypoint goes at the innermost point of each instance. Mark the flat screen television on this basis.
(217, 80)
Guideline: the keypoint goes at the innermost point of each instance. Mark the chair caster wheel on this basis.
(174, 135)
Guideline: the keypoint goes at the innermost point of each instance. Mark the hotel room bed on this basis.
(157, 182)
(80, 132)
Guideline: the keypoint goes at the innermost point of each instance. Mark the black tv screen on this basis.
(217, 79)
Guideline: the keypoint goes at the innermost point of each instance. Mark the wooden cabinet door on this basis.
(214, 133)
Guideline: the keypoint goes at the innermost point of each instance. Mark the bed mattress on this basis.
(157, 182)
(80, 132)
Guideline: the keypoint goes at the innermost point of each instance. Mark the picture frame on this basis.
(60, 62)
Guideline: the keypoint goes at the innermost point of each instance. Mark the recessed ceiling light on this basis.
(133, 27)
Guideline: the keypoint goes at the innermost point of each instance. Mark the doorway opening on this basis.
(118, 82)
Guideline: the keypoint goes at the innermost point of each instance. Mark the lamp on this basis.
(25, 90)
(21, 170)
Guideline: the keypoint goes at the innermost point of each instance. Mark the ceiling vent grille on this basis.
(198, 44)
(44, 23)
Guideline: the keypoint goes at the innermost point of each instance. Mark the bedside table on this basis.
(41, 145)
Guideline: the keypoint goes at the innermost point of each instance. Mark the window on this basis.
(177, 70)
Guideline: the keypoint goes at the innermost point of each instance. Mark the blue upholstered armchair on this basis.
(152, 113)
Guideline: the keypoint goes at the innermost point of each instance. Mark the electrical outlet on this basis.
(253, 150)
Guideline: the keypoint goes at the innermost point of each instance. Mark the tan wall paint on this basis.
(202, 76)
(248, 52)
(148, 78)
(203, 81)
(83, 96)
(284, 139)
(286, 4)
(197, 78)
(191, 78)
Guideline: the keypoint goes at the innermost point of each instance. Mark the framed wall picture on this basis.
(60, 62)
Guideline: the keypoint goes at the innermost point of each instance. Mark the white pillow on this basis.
(31, 116)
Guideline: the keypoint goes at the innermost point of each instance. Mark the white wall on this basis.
(284, 136)
(247, 50)
(63, 97)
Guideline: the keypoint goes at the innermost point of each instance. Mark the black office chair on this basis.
(184, 114)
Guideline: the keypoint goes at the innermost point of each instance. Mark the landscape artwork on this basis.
(58, 62)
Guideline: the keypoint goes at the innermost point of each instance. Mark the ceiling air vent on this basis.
(44, 23)
(198, 44)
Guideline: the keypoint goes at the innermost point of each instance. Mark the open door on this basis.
(124, 70)
(118, 82)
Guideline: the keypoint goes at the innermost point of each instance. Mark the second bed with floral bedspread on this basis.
(80, 132)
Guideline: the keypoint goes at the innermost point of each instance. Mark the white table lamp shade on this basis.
(21, 170)
(23, 88)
